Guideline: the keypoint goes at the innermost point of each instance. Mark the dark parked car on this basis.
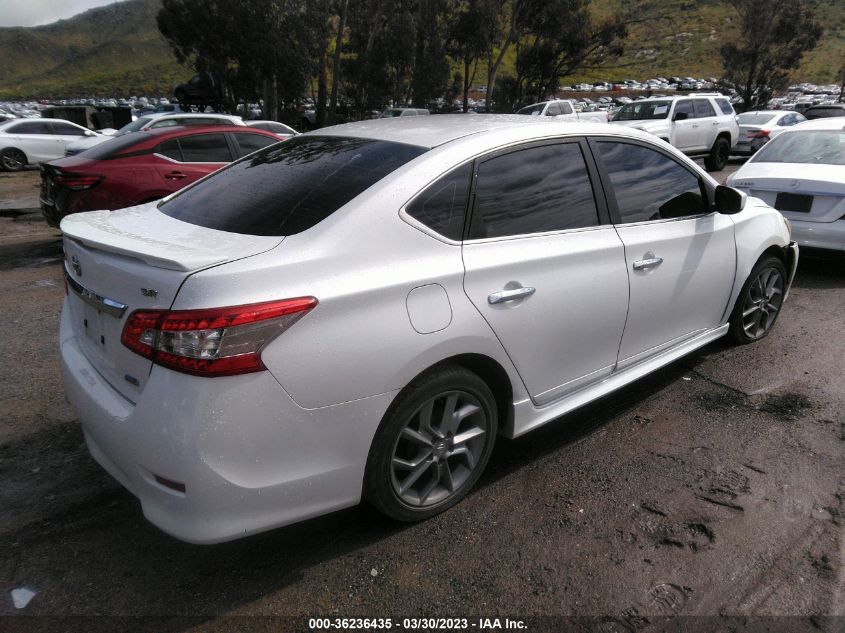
(825, 110)
(142, 166)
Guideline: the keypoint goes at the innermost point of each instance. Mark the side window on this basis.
(565, 107)
(703, 108)
(533, 190)
(32, 127)
(725, 106)
(685, 107)
(66, 129)
(442, 205)
(249, 143)
(553, 110)
(205, 148)
(170, 149)
(650, 185)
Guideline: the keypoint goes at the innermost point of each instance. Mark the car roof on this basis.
(195, 115)
(40, 120)
(433, 131)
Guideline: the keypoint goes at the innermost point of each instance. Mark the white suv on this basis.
(698, 125)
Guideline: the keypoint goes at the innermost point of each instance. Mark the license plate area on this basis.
(796, 202)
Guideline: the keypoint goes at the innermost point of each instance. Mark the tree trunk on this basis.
(322, 89)
(338, 47)
(466, 83)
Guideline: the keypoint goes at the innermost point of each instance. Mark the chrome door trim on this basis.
(102, 304)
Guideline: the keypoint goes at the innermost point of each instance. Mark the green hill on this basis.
(117, 50)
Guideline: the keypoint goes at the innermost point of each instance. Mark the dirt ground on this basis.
(712, 491)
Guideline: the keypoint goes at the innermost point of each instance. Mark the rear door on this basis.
(64, 134)
(545, 268)
(186, 159)
(708, 124)
(680, 256)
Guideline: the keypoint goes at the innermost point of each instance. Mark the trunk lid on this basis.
(135, 258)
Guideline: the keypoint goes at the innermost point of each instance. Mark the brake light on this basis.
(214, 341)
(77, 182)
(759, 134)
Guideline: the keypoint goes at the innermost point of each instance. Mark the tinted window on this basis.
(533, 110)
(533, 190)
(686, 107)
(822, 147)
(66, 129)
(170, 149)
(650, 185)
(205, 148)
(725, 106)
(565, 107)
(441, 205)
(703, 108)
(553, 110)
(289, 187)
(115, 147)
(643, 110)
(30, 127)
(249, 143)
(822, 113)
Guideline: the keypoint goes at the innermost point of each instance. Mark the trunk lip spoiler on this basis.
(102, 304)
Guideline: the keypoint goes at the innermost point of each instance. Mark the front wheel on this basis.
(717, 159)
(432, 446)
(12, 159)
(759, 303)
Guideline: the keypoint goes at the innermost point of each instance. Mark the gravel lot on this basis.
(715, 487)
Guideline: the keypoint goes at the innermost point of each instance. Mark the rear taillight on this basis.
(759, 134)
(212, 342)
(77, 182)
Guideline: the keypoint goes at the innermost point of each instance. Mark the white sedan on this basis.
(364, 309)
(759, 127)
(31, 141)
(802, 174)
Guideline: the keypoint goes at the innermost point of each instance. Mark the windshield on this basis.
(643, 110)
(288, 187)
(755, 118)
(136, 125)
(533, 110)
(815, 147)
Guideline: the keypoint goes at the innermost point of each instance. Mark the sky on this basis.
(37, 12)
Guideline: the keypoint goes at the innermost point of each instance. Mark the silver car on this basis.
(363, 310)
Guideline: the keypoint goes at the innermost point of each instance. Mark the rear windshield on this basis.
(288, 188)
(754, 118)
(114, 146)
(816, 147)
(643, 110)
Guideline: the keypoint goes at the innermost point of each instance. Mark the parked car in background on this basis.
(802, 174)
(564, 110)
(279, 129)
(31, 141)
(394, 112)
(337, 316)
(759, 127)
(142, 166)
(825, 110)
(155, 121)
(698, 125)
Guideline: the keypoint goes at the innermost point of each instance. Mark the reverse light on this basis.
(215, 341)
(77, 182)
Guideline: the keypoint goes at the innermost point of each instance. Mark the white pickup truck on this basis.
(563, 109)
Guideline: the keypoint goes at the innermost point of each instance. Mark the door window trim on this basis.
(707, 189)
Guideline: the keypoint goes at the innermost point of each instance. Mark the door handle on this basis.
(644, 264)
(175, 175)
(510, 295)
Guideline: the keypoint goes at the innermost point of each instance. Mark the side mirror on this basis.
(729, 200)
(680, 116)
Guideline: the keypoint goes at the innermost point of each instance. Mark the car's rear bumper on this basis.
(828, 236)
(213, 459)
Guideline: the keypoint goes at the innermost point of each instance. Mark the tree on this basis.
(469, 37)
(773, 36)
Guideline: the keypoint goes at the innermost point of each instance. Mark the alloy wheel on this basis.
(762, 303)
(438, 449)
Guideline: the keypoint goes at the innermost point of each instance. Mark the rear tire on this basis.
(719, 154)
(759, 302)
(432, 445)
(12, 159)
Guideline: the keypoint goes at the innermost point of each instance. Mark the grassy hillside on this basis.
(117, 50)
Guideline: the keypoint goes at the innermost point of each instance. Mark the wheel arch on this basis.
(17, 149)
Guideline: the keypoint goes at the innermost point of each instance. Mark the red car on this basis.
(142, 166)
